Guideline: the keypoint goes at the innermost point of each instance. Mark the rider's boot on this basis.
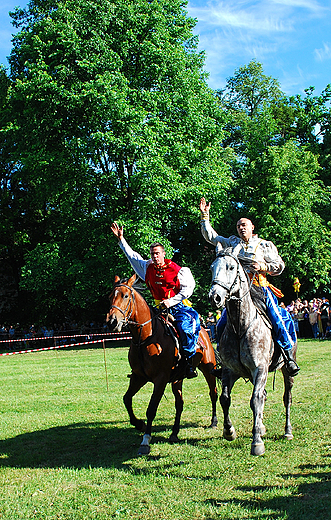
(217, 372)
(189, 371)
(290, 363)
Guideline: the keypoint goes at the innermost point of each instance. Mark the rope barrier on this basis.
(61, 346)
(87, 335)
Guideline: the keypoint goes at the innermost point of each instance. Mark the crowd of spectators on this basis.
(312, 319)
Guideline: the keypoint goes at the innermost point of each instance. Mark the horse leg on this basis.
(157, 394)
(287, 400)
(228, 380)
(211, 381)
(257, 405)
(263, 428)
(136, 382)
(177, 390)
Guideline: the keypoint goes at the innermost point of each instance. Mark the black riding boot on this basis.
(190, 372)
(290, 363)
(217, 372)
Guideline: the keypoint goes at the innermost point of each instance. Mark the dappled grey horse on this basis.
(246, 346)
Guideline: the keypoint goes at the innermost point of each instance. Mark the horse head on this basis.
(225, 275)
(122, 302)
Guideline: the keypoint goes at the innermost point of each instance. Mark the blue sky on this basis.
(291, 38)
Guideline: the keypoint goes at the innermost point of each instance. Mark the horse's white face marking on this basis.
(224, 272)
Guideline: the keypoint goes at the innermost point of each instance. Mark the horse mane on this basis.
(140, 287)
(137, 286)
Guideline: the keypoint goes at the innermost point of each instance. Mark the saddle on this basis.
(169, 323)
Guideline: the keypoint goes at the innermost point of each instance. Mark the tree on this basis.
(276, 172)
(111, 118)
(283, 208)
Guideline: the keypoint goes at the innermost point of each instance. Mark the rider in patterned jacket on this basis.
(263, 259)
(170, 286)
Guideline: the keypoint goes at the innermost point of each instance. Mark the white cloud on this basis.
(259, 17)
(324, 53)
(306, 4)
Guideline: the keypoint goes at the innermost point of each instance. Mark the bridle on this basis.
(229, 288)
(132, 301)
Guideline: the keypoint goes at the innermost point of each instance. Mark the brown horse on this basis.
(154, 356)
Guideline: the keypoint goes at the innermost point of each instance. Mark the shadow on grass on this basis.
(79, 445)
(310, 501)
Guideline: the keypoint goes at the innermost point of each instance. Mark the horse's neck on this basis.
(141, 316)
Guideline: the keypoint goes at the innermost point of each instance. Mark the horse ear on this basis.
(117, 279)
(132, 280)
(219, 248)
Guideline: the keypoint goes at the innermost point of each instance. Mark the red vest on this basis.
(163, 281)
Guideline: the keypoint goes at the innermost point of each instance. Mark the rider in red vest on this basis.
(170, 286)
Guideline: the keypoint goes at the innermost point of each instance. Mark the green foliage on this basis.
(284, 208)
(277, 173)
(106, 114)
(112, 118)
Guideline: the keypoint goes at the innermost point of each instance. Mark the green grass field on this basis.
(67, 450)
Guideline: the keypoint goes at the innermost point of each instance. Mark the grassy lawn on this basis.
(67, 450)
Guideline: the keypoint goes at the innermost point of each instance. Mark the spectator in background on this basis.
(313, 319)
(328, 330)
(325, 314)
(294, 315)
(301, 321)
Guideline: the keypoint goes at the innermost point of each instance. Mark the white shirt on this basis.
(256, 249)
(185, 277)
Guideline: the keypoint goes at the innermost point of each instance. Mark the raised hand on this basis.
(204, 207)
(118, 231)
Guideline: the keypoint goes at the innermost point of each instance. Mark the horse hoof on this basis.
(257, 449)
(288, 436)
(173, 439)
(230, 434)
(144, 450)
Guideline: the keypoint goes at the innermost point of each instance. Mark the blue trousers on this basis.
(281, 320)
(188, 324)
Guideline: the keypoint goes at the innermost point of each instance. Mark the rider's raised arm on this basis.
(137, 262)
(207, 231)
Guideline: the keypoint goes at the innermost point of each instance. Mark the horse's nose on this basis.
(215, 299)
(111, 322)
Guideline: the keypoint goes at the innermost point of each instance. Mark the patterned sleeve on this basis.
(273, 260)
